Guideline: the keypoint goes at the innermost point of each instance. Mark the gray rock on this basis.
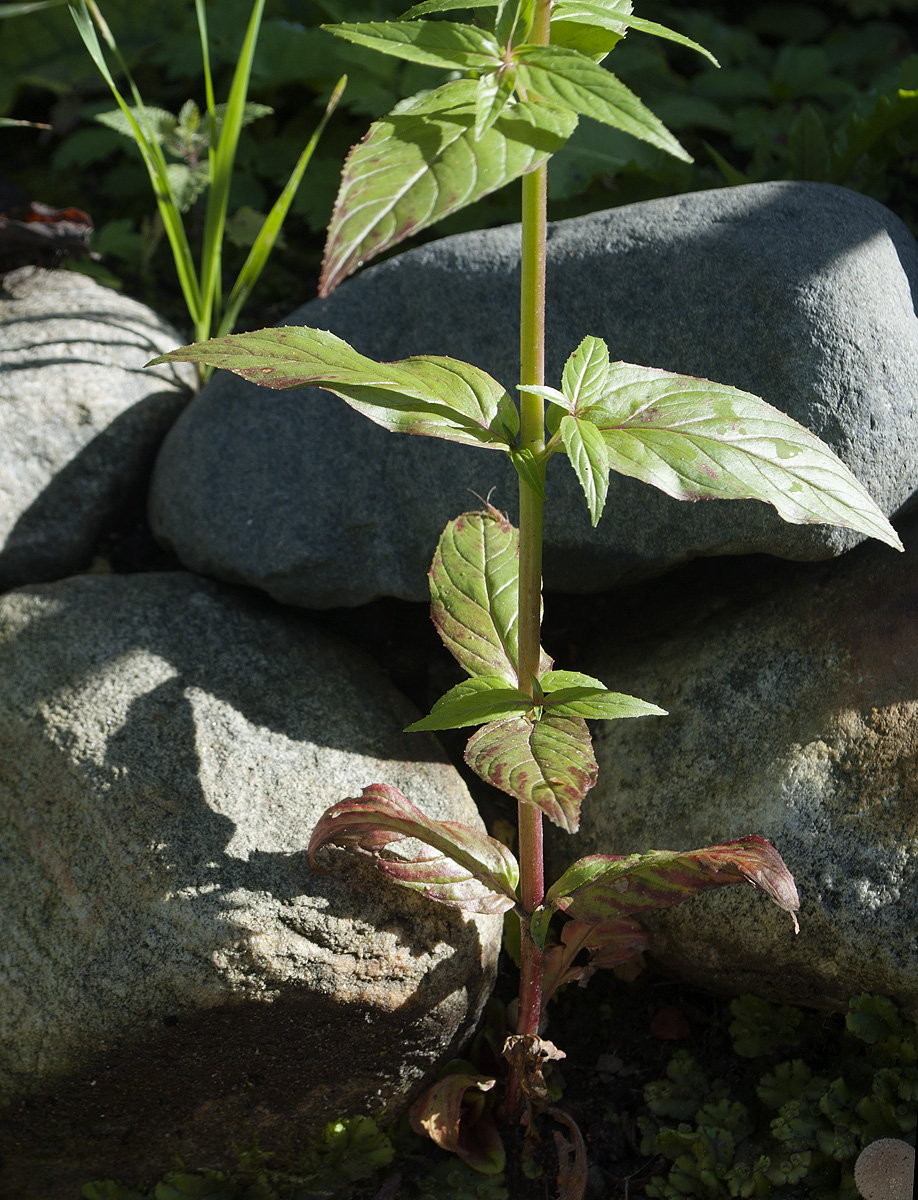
(175, 979)
(80, 420)
(798, 292)
(792, 715)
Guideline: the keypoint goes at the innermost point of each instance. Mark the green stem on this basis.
(532, 437)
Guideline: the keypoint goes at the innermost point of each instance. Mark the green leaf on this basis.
(808, 146)
(596, 15)
(158, 121)
(444, 44)
(865, 128)
(474, 581)
(514, 21)
(548, 763)
(697, 440)
(493, 95)
(569, 693)
(571, 80)
(437, 397)
(606, 887)
(432, 6)
(473, 702)
(471, 871)
(530, 468)
(587, 453)
(423, 163)
(585, 372)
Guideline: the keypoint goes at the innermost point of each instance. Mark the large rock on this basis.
(798, 292)
(793, 714)
(175, 979)
(80, 420)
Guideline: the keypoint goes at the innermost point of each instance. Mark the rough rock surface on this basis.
(793, 714)
(80, 420)
(798, 292)
(174, 977)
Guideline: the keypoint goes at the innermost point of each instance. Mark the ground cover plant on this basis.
(525, 73)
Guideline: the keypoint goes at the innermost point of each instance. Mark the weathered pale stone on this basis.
(793, 714)
(80, 420)
(797, 292)
(174, 977)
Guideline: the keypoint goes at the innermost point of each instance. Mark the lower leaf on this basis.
(454, 1113)
(605, 887)
(459, 866)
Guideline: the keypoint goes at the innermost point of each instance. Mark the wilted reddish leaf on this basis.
(459, 866)
(453, 1113)
(572, 1157)
(609, 944)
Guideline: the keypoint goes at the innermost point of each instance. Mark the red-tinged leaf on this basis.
(605, 887)
(440, 878)
(453, 1113)
(548, 763)
(423, 162)
(425, 394)
(382, 815)
(474, 582)
(608, 945)
(572, 694)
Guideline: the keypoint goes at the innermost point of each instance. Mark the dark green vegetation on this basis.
(762, 1100)
(805, 92)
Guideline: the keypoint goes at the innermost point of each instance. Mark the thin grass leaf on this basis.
(222, 162)
(268, 234)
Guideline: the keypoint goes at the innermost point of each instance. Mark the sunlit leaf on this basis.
(569, 79)
(422, 163)
(473, 702)
(474, 591)
(453, 1113)
(583, 380)
(434, 6)
(491, 99)
(586, 451)
(697, 440)
(382, 815)
(437, 397)
(605, 888)
(568, 693)
(444, 44)
(597, 15)
(548, 763)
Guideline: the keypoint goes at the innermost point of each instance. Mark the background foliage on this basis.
(826, 92)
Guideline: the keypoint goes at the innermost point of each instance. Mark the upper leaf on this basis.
(444, 44)
(473, 702)
(568, 693)
(438, 397)
(423, 162)
(430, 6)
(572, 80)
(598, 16)
(697, 440)
(548, 763)
(583, 379)
(606, 887)
(474, 591)
(472, 871)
